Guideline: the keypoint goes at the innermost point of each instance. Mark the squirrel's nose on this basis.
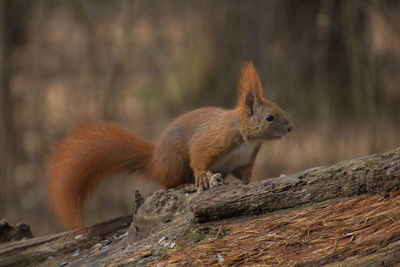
(289, 128)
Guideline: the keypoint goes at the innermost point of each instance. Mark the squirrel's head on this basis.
(261, 118)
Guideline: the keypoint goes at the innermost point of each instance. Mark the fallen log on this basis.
(36, 250)
(372, 174)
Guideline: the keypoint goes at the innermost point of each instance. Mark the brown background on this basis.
(333, 66)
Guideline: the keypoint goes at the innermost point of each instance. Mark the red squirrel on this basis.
(211, 139)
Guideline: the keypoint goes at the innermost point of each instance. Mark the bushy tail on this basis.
(89, 154)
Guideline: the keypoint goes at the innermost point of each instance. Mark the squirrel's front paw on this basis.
(208, 180)
(202, 183)
(214, 179)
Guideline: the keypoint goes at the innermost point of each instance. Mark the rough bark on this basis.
(372, 174)
(36, 250)
(14, 233)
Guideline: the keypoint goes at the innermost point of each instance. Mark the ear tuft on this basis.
(249, 86)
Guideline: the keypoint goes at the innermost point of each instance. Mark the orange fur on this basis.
(86, 156)
(249, 81)
(225, 141)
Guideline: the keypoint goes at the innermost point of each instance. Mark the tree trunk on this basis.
(8, 143)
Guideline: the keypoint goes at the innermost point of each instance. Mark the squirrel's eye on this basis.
(269, 117)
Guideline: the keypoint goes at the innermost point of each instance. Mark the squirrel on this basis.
(211, 139)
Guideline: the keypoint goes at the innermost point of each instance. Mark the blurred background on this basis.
(333, 66)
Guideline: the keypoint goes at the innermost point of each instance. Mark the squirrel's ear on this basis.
(250, 101)
(249, 82)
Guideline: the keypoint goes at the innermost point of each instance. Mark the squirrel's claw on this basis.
(208, 180)
(202, 183)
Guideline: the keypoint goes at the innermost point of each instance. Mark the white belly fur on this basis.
(238, 157)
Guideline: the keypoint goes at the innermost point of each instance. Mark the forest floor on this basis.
(358, 225)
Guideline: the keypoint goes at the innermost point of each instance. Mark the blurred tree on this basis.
(12, 23)
(8, 142)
